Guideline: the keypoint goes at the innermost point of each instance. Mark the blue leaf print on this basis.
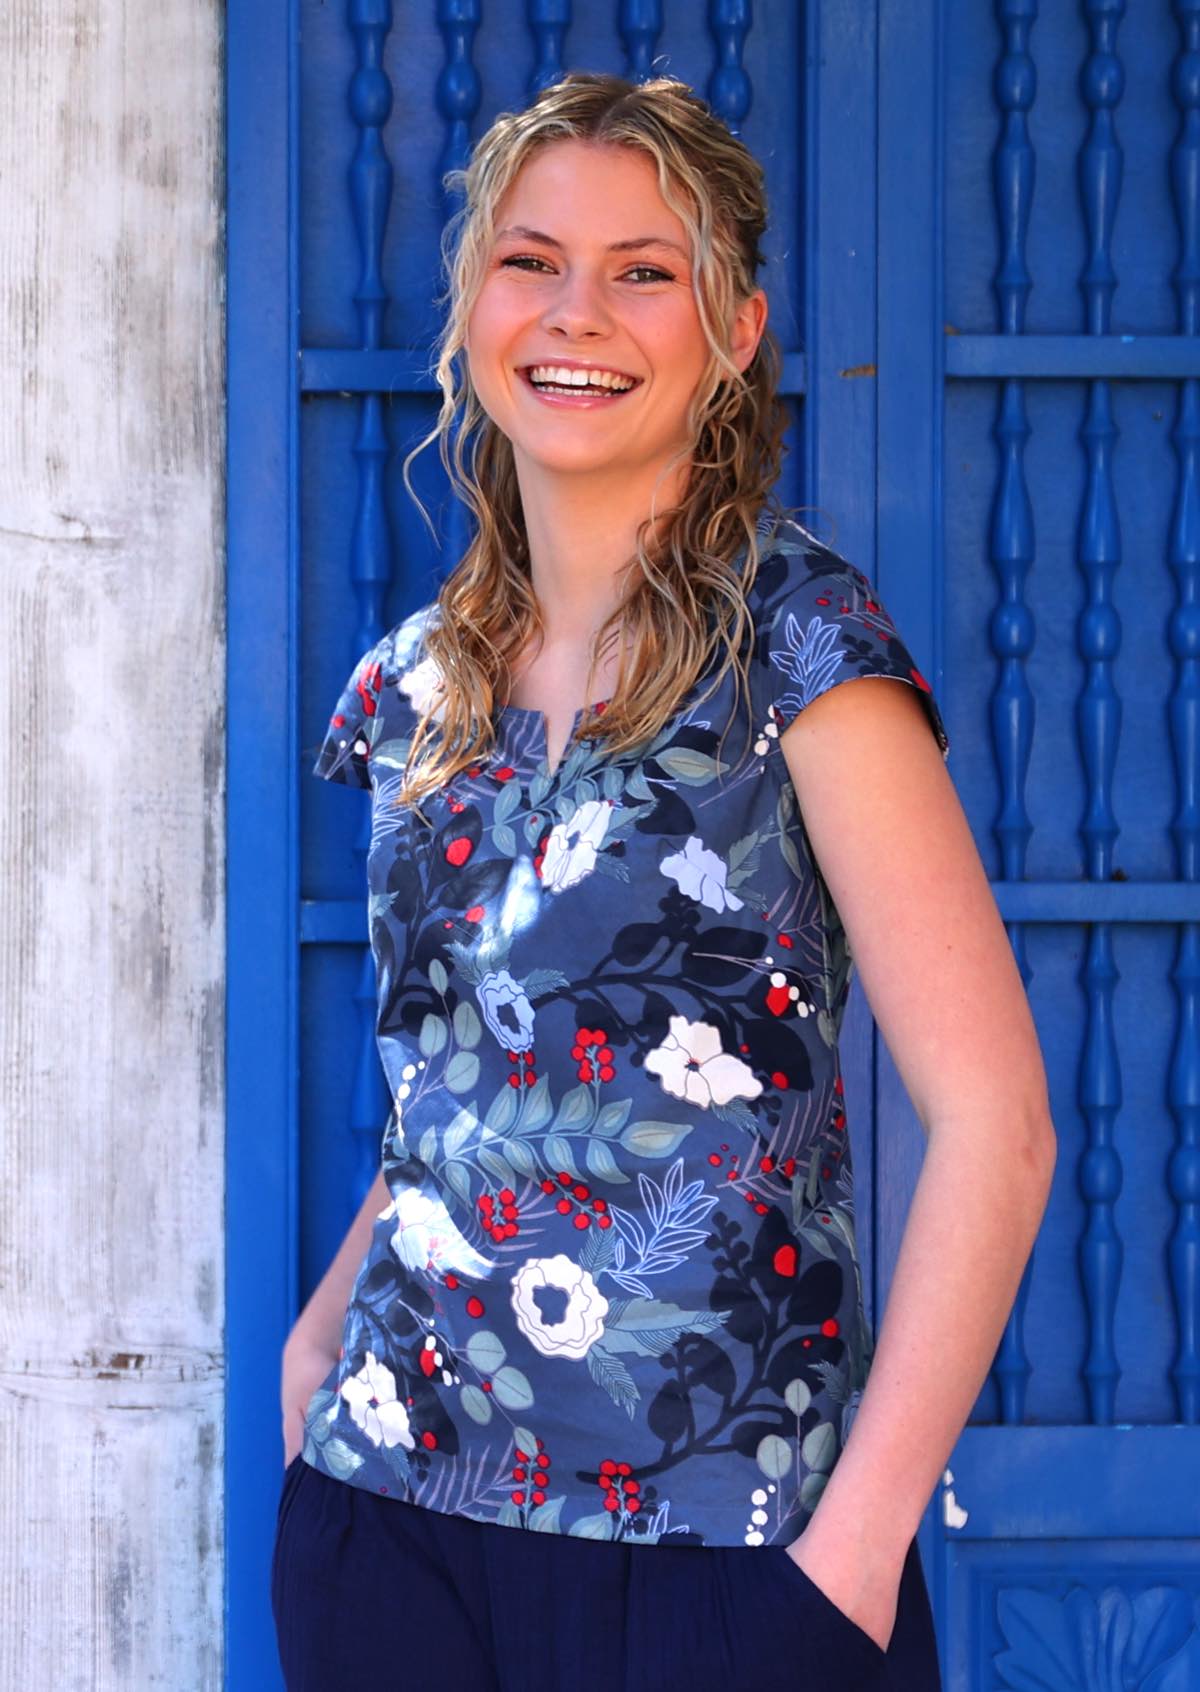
(811, 658)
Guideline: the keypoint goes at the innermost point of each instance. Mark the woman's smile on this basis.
(579, 387)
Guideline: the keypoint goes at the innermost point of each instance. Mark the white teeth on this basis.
(564, 377)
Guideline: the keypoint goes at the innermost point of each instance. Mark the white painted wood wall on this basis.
(111, 845)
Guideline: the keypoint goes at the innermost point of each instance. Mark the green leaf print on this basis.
(536, 1108)
(546, 1518)
(508, 801)
(612, 1117)
(505, 840)
(434, 1035)
(476, 1403)
(773, 1456)
(340, 1460)
(654, 1139)
(462, 1072)
(467, 1026)
(485, 1351)
(576, 1108)
(459, 1132)
(593, 1527)
(559, 1156)
(694, 769)
(820, 1447)
(502, 1112)
(650, 1326)
(602, 1164)
(499, 1168)
(608, 1371)
(511, 1388)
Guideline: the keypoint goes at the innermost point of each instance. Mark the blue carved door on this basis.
(1039, 196)
(1004, 438)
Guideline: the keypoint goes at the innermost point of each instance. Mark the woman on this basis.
(628, 832)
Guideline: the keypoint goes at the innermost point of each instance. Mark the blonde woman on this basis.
(588, 1397)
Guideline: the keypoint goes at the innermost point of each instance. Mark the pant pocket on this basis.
(852, 1659)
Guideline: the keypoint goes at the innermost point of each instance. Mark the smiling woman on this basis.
(581, 1384)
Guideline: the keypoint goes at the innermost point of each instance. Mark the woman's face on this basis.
(589, 270)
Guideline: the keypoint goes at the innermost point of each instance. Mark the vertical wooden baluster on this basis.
(1012, 630)
(549, 21)
(1098, 717)
(457, 96)
(640, 24)
(370, 185)
(1184, 636)
(729, 90)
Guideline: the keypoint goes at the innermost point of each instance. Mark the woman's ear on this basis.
(749, 321)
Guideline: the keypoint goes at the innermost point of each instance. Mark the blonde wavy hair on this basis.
(686, 583)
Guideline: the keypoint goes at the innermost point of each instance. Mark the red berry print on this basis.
(602, 1063)
(368, 688)
(458, 851)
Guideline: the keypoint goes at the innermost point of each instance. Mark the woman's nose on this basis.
(577, 307)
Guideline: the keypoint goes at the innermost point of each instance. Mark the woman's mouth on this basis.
(564, 385)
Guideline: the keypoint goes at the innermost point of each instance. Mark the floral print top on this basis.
(616, 1291)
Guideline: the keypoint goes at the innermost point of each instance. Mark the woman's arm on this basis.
(319, 1324)
(930, 948)
(316, 1336)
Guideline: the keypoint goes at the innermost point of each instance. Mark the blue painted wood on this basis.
(1098, 716)
(639, 23)
(370, 186)
(1066, 1499)
(1184, 640)
(548, 22)
(261, 839)
(729, 89)
(1013, 624)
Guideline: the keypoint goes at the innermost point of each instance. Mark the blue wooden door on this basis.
(1039, 261)
(1002, 438)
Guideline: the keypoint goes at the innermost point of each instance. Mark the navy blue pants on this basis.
(374, 1592)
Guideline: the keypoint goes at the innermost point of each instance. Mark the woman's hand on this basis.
(865, 1586)
(304, 1366)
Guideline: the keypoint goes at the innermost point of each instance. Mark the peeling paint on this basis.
(953, 1514)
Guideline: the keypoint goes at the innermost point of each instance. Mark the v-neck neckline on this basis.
(538, 716)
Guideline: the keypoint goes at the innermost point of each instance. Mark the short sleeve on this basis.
(825, 624)
(345, 752)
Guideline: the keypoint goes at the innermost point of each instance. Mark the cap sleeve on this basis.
(345, 752)
(826, 624)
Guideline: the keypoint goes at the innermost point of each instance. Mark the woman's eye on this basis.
(648, 270)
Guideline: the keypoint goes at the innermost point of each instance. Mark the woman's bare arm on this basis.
(319, 1324)
(935, 961)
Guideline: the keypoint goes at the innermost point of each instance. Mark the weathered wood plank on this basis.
(111, 842)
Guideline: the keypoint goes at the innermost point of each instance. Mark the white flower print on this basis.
(582, 1320)
(701, 875)
(420, 684)
(506, 1010)
(371, 1395)
(572, 846)
(691, 1065)
(426, 1236)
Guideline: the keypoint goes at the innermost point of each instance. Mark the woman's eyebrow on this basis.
(633, 245)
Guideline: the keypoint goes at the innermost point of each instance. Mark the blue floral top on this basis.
(616, 1291)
